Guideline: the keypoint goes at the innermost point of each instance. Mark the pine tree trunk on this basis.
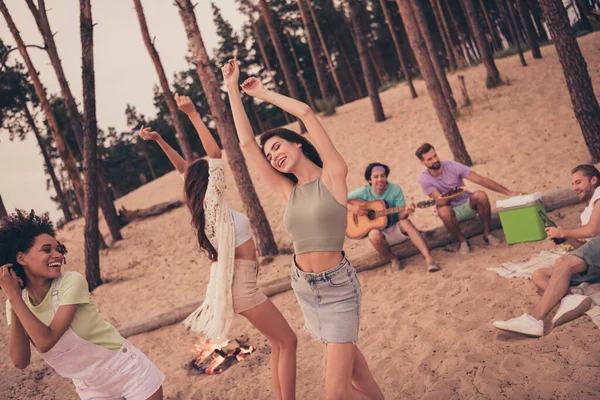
(510, 18)
(313, 46)
(180, 135)
(435, 60)
(263, 236)
(90, 146)
(61, 145)
(284, 63)
(493, 75)
(536, 12)
(64, 206)
(529, 29)
(363, 53)
(3, 212)
(452, 65)
(300, 72)
(439, 14)
(261, 47)
(496, 45)
(583, 99)
(396, 40)
(458, 33)
(453, 136)
(353, 78)
(327, 54)
(583, 19)
(75, 118)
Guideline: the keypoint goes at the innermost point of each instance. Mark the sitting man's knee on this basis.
(564, 266)
(376, 237)
(480, 197)
(445, 212)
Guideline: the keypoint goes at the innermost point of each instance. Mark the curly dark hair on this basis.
(307, 147)
(196, 183)
(17, 235)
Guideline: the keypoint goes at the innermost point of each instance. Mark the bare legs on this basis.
(378, 241)
(478, 201)
(269, 321)
(556, 283)
(348, 376)
(415, 237)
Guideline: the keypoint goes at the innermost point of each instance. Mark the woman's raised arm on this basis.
(208, 141)
(278, 182)
(333, 163)
(178, 162)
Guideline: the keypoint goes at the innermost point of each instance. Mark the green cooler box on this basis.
(520, 218)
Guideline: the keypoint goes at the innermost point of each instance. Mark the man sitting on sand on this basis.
(401, 228)
(581, 265)
(443, 176)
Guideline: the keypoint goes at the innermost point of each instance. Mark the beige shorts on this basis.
(393, 235)
(246, 294)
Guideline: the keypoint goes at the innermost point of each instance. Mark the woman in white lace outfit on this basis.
(223, 234)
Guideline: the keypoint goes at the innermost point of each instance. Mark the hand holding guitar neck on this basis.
(364, 216)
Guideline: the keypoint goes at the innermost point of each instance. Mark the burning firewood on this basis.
(212, 359)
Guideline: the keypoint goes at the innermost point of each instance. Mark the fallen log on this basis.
(126, 216)
(435, 238)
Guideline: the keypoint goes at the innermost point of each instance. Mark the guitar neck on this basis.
(389, 211)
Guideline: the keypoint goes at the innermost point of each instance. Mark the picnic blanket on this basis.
(525, 269)
(547, 258)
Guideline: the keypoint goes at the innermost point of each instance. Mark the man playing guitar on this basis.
(401, 228)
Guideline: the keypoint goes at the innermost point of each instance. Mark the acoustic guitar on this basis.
(379, 214)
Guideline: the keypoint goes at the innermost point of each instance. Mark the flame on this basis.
(214, 364)
(244, 353)
(203, 350)
(210, 356)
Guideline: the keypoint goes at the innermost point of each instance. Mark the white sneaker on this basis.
(464, 248)
(571, 307)
(396, 265)
(525, 324)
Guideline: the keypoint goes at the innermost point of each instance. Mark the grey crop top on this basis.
(315, 219)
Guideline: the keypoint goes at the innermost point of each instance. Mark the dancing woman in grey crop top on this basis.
(224, 236)
(315, 191)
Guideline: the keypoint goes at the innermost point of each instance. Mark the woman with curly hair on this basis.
(224, 235)
(313, 187)
(56, 312)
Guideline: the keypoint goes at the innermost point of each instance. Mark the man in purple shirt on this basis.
(442, 176)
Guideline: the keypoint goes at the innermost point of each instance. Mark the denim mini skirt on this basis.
(330, 302)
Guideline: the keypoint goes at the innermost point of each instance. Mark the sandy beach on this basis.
(425, 336)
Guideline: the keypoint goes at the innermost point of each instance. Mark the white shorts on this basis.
(128, 375)
(393, 235)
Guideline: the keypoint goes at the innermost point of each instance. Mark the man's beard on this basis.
(436, 166)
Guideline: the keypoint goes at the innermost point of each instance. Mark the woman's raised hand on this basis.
(185, 104)
(10, 282)
(148, 134)
(231, 72)
(252, 86)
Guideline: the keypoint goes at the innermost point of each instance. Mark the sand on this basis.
(425, 336)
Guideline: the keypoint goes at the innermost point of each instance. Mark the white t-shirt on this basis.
(587, 212)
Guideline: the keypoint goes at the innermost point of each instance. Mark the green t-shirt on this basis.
(87, 323)
(393, 195)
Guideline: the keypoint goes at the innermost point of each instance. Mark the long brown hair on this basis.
(196, 182)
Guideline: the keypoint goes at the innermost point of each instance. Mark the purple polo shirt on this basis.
(452, 176)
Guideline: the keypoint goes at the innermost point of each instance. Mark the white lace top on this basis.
(213, 198)
(214, 316)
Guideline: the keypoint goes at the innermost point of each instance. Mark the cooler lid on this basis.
(519, 201)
